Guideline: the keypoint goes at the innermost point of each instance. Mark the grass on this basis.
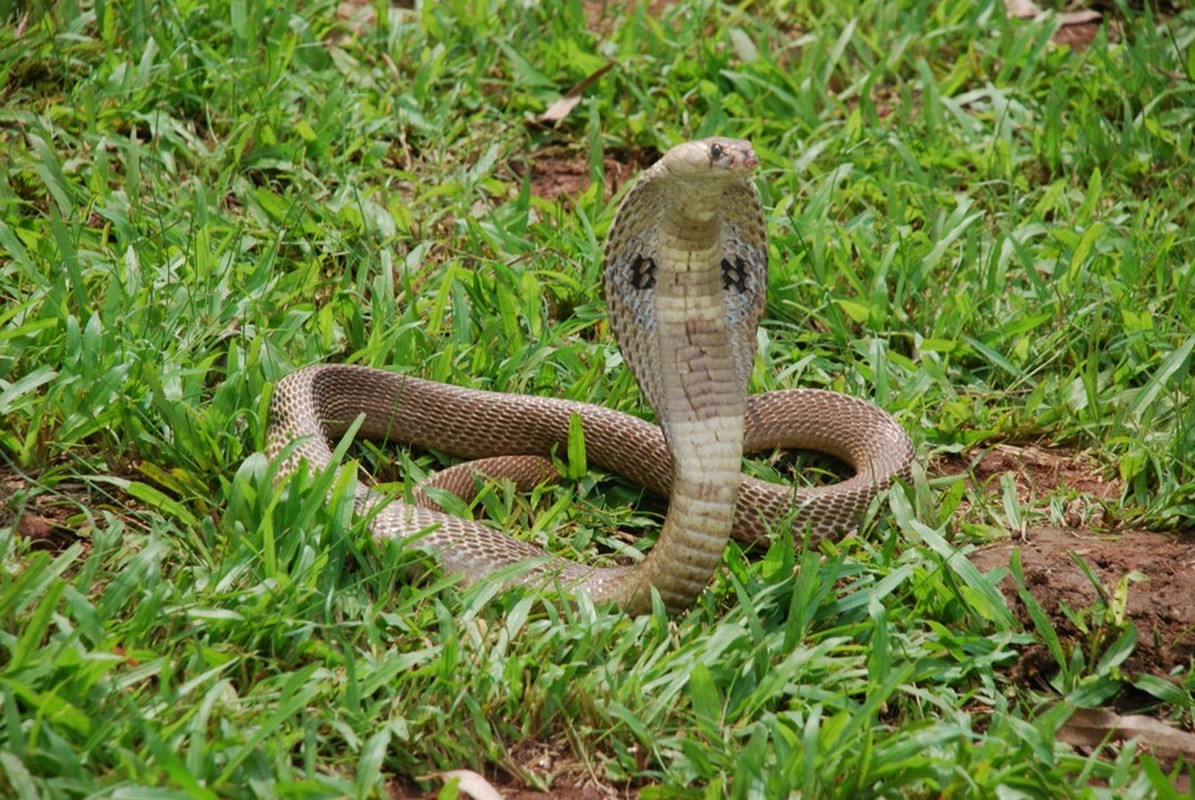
(989, 235)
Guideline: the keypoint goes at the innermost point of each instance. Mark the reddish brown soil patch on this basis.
(1137, 578)
(1038, 474)
(1160, 600)
(560, 173)
(1036, 470)
(1077, 36)
(49, 521)
(1069, 503)
(533, 762)
(601, 16)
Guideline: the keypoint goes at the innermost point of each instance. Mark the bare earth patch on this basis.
(1161, 590)
(1145, 579)
(560, 173)
(51, 521)
(1038, 473)
(529, 762)
(1158, 568)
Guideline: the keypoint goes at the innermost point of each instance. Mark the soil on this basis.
(1158, 570)
(1154, 571)
(561, 174)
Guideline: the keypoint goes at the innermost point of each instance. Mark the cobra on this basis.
(685, 272)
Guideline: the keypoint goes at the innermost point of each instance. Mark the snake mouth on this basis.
(746, 161)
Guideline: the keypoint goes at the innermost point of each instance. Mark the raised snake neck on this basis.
(685, 278)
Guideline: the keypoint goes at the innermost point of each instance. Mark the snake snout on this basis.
(732, 155)
(748, 159)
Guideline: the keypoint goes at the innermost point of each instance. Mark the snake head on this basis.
(715, 157)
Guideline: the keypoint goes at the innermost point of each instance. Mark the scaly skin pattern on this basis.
(685, 275)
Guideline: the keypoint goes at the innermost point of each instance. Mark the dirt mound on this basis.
(1141, 578)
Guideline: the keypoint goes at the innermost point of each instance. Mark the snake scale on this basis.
(685, 272)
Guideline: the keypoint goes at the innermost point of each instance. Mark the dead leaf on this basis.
(562, 107)
(471, 784)
(1027, 9)
(1079, 17)
(1089, 727)
(1022, 9)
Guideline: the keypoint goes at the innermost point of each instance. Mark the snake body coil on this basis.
(685, 278)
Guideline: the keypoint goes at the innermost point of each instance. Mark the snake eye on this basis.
(715, 150)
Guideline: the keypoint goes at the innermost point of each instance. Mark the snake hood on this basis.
(692, 225)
